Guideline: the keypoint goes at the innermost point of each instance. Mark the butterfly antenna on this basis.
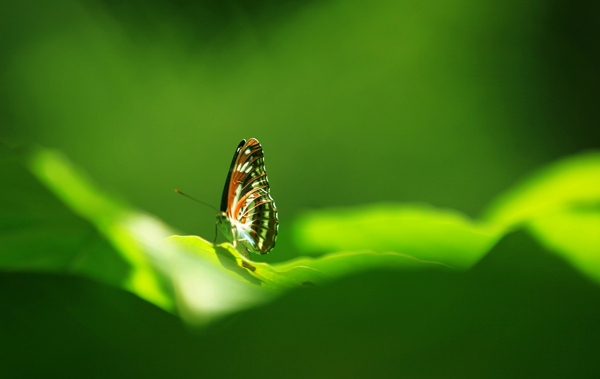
(196, 200)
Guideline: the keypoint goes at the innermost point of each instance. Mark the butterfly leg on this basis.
(216, 233)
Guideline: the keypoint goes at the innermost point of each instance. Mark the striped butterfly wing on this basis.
(247, 199)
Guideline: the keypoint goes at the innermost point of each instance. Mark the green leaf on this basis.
(569, 183)
(114, 220)
(420, 231)
(336, 265)
(207, 285)
(574, 234)
(247, 271)
(38, 233)
(305, 271)
(560, 205)
(67, 225)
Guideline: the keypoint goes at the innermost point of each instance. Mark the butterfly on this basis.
(248, 215)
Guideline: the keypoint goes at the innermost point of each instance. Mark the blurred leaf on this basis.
(105, 239)
(37, 231)
(246, 271)
(421, 231)
(206, 287)
(571, 182)
(113, 219)
(336, 265)
(560, 205)
(574, 234)
(102, 237)
(299, 272)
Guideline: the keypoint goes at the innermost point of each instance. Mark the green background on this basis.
(447, 103)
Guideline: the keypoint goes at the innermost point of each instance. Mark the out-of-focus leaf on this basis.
(336, 265)
(185, 275)
(97, 236)
(299, 272)
(205, 286)
(560, 205)
(574, 234)
(570, 183)
(38, 233)
(248, 271)
(420, 231)
(114, 220)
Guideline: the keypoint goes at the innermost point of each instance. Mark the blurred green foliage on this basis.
(561, 206)
(417, 230)
(378, 121)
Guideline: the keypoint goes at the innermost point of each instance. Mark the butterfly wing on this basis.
(247, 199)
(225, 197)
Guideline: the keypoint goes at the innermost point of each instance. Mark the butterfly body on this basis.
(248, 214)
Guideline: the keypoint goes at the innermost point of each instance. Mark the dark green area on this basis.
(521, 312)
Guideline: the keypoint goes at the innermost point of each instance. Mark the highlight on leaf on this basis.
(420, 231)
(573, 182)
(560, 205)
(198, 289)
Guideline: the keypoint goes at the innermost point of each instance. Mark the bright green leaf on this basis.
(574, 234)
(248, 271)
(336, 265)
(572, 182)
(420, 231)
(115, 220)
(559, 204)
(38, 233)
(107, 240)
(296, 273)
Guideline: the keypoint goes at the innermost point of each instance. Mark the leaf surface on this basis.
(420, 231)
(560, 204)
